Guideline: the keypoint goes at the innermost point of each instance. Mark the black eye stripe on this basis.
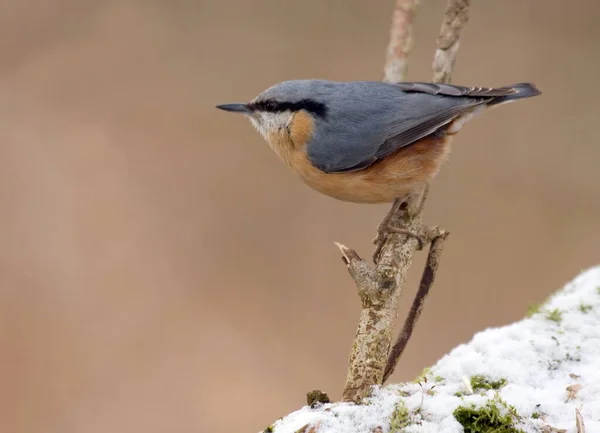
(273, 106)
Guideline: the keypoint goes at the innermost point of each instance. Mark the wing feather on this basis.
(378, 130)
(454, 90)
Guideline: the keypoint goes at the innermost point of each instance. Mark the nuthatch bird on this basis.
(368, 141)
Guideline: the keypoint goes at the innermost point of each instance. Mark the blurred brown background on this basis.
(162, 271)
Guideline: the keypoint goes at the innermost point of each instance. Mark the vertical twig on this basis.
(380, 288)
(433, 260)
(448, 42)
(401, 40)
(579, 422)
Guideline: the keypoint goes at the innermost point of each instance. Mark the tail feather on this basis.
(520, 91)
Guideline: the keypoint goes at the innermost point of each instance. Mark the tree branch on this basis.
(433, 260)
(448, 42)
(401, 40)
(379, 288)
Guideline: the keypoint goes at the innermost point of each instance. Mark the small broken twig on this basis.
(579, 422)
(380, 287)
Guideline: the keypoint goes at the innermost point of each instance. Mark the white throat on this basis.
(266, 122)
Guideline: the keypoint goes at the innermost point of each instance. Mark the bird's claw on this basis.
(384, 231)
(402, 231)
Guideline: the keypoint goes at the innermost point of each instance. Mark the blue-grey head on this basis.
(274, 108)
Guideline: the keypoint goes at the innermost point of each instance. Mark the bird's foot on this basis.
(403, 209)
(384, 231)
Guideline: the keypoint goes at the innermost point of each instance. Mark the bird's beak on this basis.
(235, 108)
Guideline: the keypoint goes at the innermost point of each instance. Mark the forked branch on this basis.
(380, 287)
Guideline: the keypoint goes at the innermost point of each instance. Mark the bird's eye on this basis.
(271, 105)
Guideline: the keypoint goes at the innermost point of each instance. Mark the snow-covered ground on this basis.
(530, 376)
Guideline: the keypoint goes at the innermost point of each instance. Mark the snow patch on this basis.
(544, 367)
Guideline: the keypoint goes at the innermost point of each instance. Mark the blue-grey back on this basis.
(360, 116)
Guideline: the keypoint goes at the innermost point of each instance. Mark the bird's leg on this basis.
(403, 208)
(386, 226)
(407, 232)
(398, 206)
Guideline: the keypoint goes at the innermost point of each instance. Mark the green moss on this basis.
(438, 378)
(533, 309)
(584, 308)
(554, 315)
(480, 382)
(268, 429)
(598, 290)
(459, 394)
(495, 417)
(316, 397)
(536, 415)
(400, 418)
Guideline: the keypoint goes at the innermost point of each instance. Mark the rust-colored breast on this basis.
(395, 176)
